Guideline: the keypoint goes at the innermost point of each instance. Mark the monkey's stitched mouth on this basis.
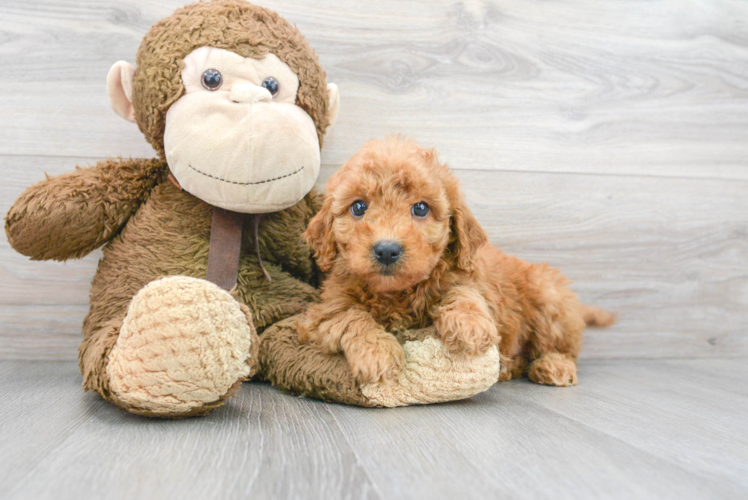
(245, 183)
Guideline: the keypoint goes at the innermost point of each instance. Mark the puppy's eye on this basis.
(272, 85)
(212, 79)
(420, 209)
(358, 208)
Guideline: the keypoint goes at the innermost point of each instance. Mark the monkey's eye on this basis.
(420, 209)
(272, 85)
(358, 208)
(212, 79)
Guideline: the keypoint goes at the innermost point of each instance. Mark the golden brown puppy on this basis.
(402, 250)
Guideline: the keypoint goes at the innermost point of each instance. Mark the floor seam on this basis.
(374, 485)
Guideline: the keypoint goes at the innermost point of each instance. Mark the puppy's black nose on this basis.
(387, 252)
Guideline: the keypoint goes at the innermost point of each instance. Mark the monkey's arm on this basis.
(70, 215)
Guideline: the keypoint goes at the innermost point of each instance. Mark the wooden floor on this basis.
(631, 430)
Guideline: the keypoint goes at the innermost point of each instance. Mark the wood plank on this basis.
(671, 410)
(501, 444)
(509, 85)
(43, 404)
(39, 332)
(263, 444)
(631, 429)
(727, 374)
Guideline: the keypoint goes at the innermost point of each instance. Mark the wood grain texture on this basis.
(583, 86)
(631, 429)
(272, 446)
(607, 138)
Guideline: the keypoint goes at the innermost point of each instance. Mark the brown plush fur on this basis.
(304, 370)
(150, 228)
(448, 275)
(235, 25)
(69, 216)
(167, 235)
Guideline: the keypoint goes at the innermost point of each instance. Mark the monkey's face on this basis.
(236, 139)
(234, 98)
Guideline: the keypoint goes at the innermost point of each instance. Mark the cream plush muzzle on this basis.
(238, 147)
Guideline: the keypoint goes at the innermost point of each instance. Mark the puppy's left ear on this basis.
(467, 234)
(321, 237)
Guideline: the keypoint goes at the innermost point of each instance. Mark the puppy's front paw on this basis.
(375, 358)
(471, 333)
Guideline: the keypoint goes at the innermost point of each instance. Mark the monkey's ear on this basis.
(119, 88)
(333, 104)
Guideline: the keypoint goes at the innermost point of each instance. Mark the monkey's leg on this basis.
(183, 347)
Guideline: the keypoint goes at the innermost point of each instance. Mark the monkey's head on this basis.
(232, 96)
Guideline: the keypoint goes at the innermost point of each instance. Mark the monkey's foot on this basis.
(184, 348)
(435, 374)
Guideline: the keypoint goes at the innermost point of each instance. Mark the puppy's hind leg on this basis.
(556, 339)
(554, 368)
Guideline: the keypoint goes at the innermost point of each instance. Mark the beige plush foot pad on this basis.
(183, 346)
(433, 374)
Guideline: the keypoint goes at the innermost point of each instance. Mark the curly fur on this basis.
(448, 275)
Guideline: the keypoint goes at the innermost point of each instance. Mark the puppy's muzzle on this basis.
(387, 252)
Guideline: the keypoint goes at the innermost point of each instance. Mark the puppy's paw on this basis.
(554, 369)
(471, 333)
(375, 358)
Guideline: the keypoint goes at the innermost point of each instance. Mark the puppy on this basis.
(402, 250)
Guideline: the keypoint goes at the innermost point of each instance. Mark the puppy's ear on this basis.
(321, 237)
(467, 234)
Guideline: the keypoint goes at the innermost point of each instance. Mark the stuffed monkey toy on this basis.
(202, 245)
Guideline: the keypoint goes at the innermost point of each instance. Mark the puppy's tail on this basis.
(596, 317)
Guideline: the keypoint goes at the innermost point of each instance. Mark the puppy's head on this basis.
(391, 214)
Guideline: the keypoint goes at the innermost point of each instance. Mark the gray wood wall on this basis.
(607, 137)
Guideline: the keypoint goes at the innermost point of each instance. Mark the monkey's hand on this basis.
(72, 214)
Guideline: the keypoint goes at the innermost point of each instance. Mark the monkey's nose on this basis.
(387, 252)
(247, 93)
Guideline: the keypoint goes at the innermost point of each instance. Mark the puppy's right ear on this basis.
(321, 237)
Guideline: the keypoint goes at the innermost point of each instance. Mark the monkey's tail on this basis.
(597, 317)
